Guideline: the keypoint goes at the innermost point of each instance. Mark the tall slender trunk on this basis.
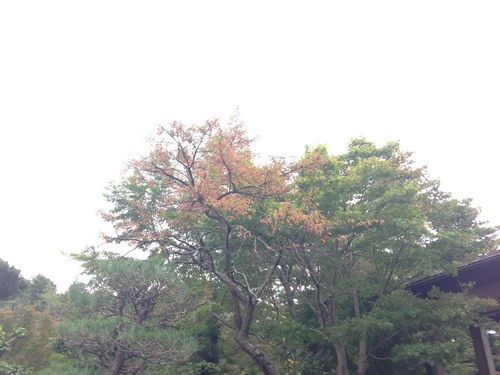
(362, 363)
(341, 357)
(338, 345)
(362, 360)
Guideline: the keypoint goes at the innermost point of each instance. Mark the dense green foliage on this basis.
(11, 281)
(253, 267)
(129, 325)
(326, 245)
(387, 224)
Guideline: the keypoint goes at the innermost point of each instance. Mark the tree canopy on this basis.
(327, 243)
(11, 281)
(258, 266)
(129, 325)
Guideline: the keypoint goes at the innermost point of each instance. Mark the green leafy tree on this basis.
(75, 302)
(208, 331)
(337, 236)
(135, 305)
(385, 223)
(11, 281)
(39, 291)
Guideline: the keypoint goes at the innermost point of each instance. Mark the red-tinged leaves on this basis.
(195, 173)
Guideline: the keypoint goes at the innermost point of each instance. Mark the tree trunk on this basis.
(337, 344)
(117, 363)
(362, 363)
(242, 325)
(258, 354)
(341, 357)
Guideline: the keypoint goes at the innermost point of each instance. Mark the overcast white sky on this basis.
(82, 84)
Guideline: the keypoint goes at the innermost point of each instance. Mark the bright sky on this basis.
(82, 84)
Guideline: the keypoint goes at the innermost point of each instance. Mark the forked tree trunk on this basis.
(243, 319)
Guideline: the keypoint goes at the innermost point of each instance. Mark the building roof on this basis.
(483, 273)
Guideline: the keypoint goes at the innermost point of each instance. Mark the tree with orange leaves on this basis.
(203, 199)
